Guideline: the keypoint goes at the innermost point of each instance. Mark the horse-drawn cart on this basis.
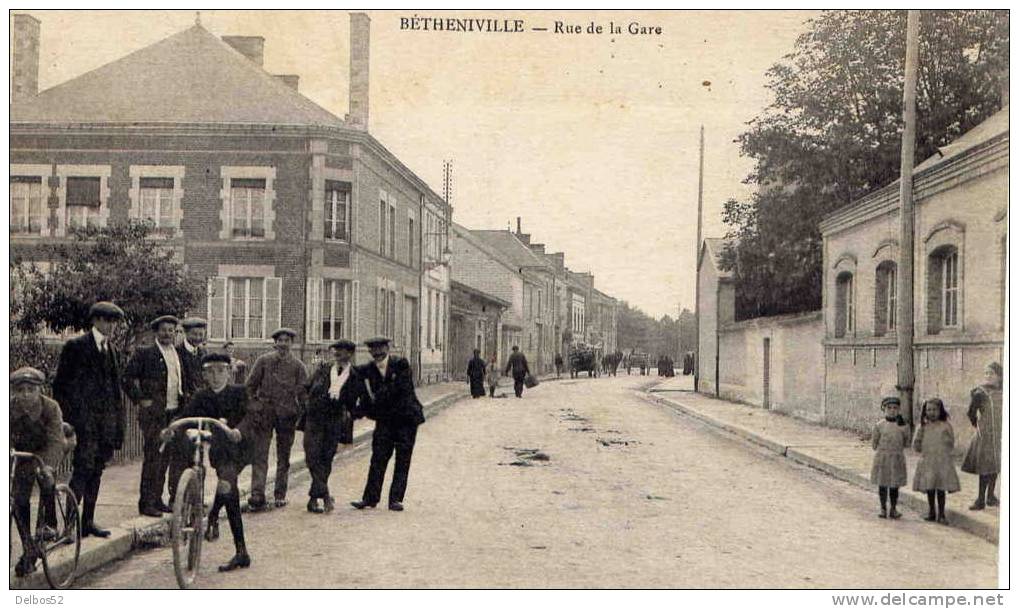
(585, 358)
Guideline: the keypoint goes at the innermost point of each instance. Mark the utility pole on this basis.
(697, 254)
(904, 323)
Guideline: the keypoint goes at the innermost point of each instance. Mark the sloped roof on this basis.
(714, 248)
(512, 250)
(189, 77)
(993, 126)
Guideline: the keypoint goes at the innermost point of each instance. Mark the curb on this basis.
(141, 531)
(908, 498)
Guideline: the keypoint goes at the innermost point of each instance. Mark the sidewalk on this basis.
(117, 508)
(842, 454)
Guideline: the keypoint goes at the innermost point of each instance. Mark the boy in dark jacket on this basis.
(229, 453)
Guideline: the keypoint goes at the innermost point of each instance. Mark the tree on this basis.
(118, 263)
(832, 135)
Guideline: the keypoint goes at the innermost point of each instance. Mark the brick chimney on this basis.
(290, 80)
(360, 29)
(25, 57)
(538, 248)
(252, 47)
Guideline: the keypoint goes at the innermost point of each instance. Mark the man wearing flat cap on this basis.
(191, 351)
(397, 412)
(154, 380)
(334, 391)
(36, 426)
(87, 387)
(277, 393)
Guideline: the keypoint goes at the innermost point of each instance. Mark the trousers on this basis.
(321, 436)
(228, 496)
(387, 439)
(285, 427)
(24, 480)
(85, 482)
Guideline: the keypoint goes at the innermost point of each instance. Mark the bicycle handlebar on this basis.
(199, 421)
(17, 454)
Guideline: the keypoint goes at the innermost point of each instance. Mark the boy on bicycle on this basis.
(36, 426)
(228, 454)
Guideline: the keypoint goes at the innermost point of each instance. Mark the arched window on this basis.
(885, 298)
(845, 316)
(944, 289)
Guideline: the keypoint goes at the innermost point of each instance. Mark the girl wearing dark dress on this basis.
(935, 473)
(984, 455)
(889, 440)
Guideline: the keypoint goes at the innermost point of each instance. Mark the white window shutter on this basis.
(217, 307)
(313, 325)
(355, 310)
(272, 305)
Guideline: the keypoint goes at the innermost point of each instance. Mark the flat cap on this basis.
(163, 319)
(377, 340)
(193, 322)
(27, 374)
(280, 331)
(347, 345)
(105, 309)
(215, 358)
(890, 400)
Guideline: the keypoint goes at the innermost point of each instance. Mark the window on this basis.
(845, 322)
(334, 310)
(410, 241)
(156, 198)
(382, 223)
(943, 289)
(337, 206)
(83, 201)
(247, 207)
(392, 231)
(884, 298)
(28, 205)
(243, 307)
(428, 319)
(385, 312)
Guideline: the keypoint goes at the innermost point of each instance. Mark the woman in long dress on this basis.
(476, 375)
(984, 455)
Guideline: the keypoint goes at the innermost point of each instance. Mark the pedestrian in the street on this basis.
(334, 391)
(397, 412)
(889, 440)
(558, 365)
(492, 375)
(238, 367)
(276, 387)
(476, 375)
(984, 455)
(229, 452)
(87, 387)
(154, 381)
(36, 426)
(517, 365)
(935, 473)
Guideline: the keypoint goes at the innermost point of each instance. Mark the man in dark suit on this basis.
(87, 387)
(394, 406)
(517, 364)
(334, 390)
(154, 380)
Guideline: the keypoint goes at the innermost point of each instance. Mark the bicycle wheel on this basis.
(60, 548)
(186, 531)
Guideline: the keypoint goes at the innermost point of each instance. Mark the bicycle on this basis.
(59, 546)
(187, 527)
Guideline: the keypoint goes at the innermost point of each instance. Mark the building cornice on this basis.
(977, 161)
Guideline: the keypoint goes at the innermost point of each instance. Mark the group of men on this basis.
(168, 382)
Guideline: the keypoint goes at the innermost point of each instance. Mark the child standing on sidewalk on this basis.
(889, 439)
(492, 375)
(935, 473)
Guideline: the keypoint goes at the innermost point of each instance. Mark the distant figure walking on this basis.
(492, 375)
(517, 364)
(558, 364)
(476, 375)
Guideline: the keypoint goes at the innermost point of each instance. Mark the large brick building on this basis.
(296, 216)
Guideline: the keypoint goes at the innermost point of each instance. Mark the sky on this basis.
(592, 139)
